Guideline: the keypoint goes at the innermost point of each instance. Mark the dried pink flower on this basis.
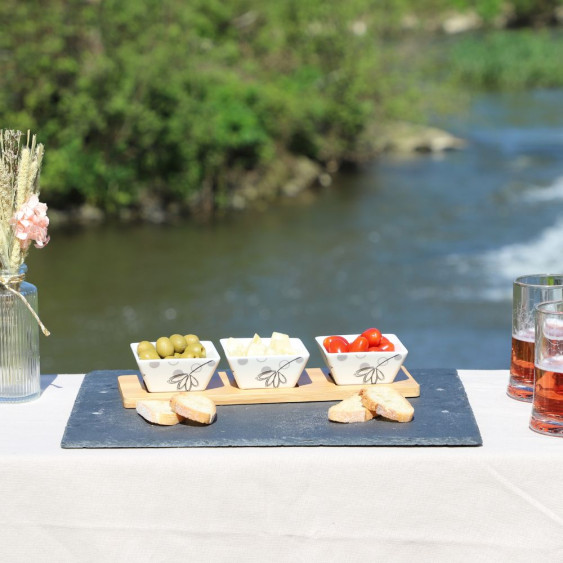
(30, 222)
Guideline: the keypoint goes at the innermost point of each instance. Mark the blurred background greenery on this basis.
(177, 101)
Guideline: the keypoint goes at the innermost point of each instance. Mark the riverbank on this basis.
(288, 176)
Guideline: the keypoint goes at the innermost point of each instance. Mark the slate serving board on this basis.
(443, 417)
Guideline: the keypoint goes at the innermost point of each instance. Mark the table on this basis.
(502, 501)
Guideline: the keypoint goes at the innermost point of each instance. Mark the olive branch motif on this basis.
(372, 374)
(274, 378)
(188, 380)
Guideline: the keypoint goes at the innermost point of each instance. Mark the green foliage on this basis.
(165, 96)
(520, 12)
(508, 60)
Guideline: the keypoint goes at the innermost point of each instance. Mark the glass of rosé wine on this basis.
(528, 291)
(547, 409)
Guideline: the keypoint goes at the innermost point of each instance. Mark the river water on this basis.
(426, 248)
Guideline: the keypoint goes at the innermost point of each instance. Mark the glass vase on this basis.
(19, 342)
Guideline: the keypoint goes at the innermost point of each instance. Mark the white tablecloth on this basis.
(499, 502)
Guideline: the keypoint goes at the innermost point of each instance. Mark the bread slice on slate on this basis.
(197, 408)
(350, 410)
(387, 402)
(158, 412)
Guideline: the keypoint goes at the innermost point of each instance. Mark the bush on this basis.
(164, 96)
(168, 98)
(508, 60)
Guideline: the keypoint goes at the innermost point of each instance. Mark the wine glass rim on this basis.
(532, 280)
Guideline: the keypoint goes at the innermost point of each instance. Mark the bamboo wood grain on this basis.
(313, 386)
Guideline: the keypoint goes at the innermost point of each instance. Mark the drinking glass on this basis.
(547, 409)
(528, 291)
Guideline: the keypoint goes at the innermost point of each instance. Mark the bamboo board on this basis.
(314, 385)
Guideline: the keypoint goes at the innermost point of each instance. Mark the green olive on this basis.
(149, 355)
(164, 347)
(179, 343)
(203, 353)
(187, 354)
(168, 357)
(144, 345)
(195, 349)
(191, 339)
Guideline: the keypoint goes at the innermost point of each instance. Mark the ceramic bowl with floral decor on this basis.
(178, 374)
(364, 368)
(267, 371)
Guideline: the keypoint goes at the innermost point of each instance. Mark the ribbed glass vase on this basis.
(19, 343)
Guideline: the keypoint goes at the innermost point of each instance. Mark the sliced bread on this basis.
(158, 412)
(387, 402)
(350, 410)
(197, 408)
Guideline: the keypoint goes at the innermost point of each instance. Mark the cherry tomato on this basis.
(338, 346)
(374, 349)
(361, 344)
(330, 339)
(373, 336)
(386, 345)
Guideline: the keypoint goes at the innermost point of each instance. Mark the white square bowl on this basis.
(178, 374)
(364, 368)
(262, 372)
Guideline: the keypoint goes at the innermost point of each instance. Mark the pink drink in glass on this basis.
(522, 366)
(527, 293)
(547, 410)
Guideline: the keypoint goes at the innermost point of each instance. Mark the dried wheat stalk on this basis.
(20, 168)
